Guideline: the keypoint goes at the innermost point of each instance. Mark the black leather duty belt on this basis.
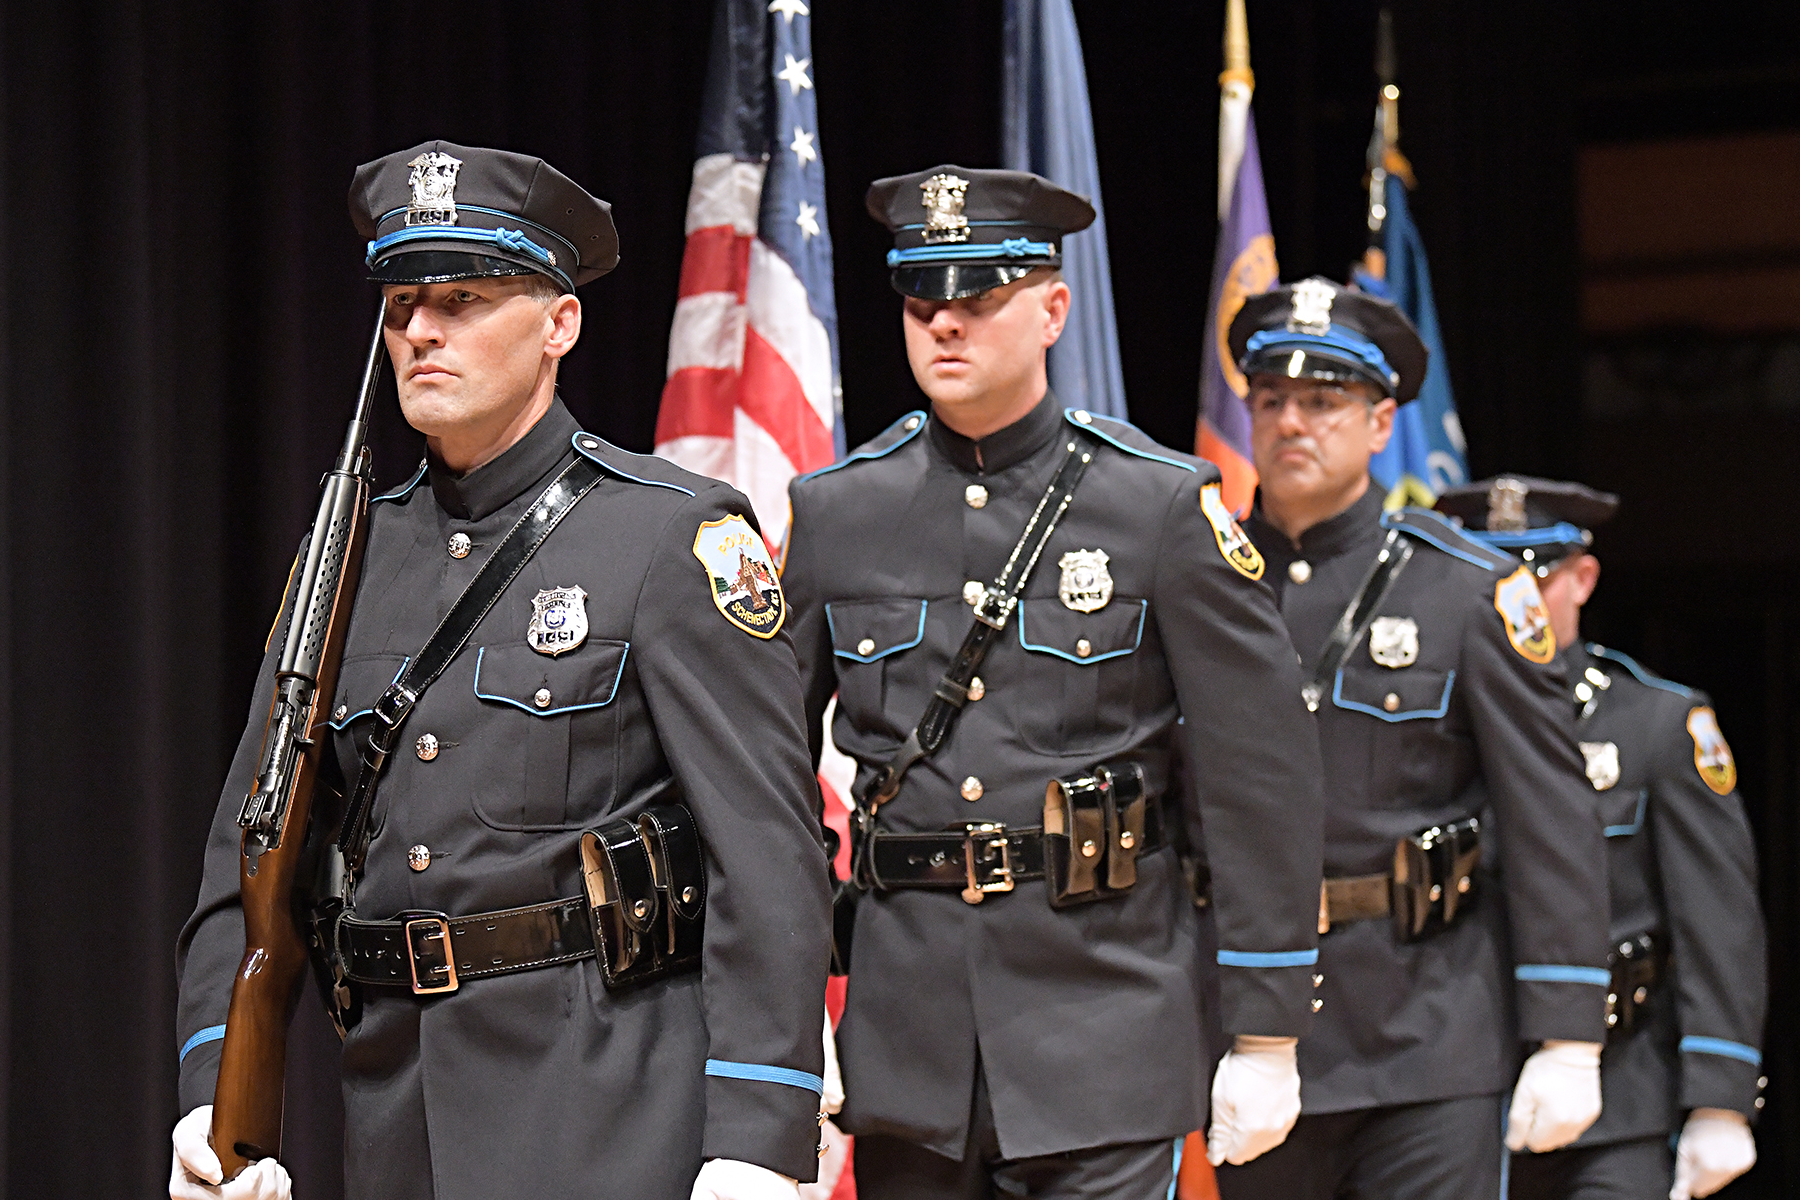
(976, 858)
(433, 954)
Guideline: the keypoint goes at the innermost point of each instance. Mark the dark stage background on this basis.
(182, 317)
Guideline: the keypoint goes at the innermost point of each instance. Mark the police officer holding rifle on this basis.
(572, 911)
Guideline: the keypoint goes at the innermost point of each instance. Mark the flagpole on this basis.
(1236, 85)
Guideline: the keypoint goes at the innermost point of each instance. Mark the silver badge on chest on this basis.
(1394, 641)
(1086, 584)
(558, 621)
(1602, 763)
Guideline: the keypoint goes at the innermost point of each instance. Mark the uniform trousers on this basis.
(1641, 1169)
(892, 1168)
(1441, 1150)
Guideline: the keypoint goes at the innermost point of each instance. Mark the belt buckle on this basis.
(420, 933)
(988, 876)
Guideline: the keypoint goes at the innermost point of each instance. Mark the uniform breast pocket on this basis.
(1077, 697)
(1407, 694)
(361, 681)
(536, 710)
(866, 635)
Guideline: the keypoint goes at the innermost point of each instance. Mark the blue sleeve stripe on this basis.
(1556, 973)
(757, 1073)
(1268, 958)
(212, 1033)
(1712, 1045)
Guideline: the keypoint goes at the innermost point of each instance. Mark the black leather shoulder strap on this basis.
(1384, 572)
(452, 634)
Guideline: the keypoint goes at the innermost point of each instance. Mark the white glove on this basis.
(196, 1172)
(1557, 1097)
(729, 1179)
(833, 1099)
(1255, 1099)
(1715, 1148)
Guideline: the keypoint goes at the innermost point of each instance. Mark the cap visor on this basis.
(956, 281)
(1314, 364)
(442, 266)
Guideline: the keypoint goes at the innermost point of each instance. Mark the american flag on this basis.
(752, 395)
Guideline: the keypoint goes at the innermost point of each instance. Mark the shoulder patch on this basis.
(745, 586)
(880, 446)
(1519, 604)
(1234, 543)
(1712, 757)
(1434, 530)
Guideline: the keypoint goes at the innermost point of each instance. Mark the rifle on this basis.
(246, 1123)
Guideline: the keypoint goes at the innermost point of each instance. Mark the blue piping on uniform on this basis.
(366, 711)
(212, 1033)
(405, 489)
(1143, 607)
(1643, 675)
(972, 251)
(757, 1073)
(549, 712)
(1558, 973)
(1693, 1044)
(862, 455)
(918, 637)
(1069, 416)
(594, 456)
(1390, 520)
(1628, 830)
(1268, 958)
(1174, 1171)
(1337, 698)
(1560, 534)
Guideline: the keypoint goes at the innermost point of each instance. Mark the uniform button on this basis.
(976, 495)
(1127, 839)
(427, 747)
(866, 647)
(1391, 702)
(1083, 647)
(971, 789)
(541, 697)
(1318, 1004)
(1299, 570)
(640, 909)
(972, 591)
(1639, 996)
(687, 895)
(419, 857)
(1089, 849)
(912, 423)
(1082, 418)
(588, 443)
(460, 545)
(977, 689)
(1762, 1081)
(340, 712)
(1463, 885)
(1318, 979)
(1759, 1103)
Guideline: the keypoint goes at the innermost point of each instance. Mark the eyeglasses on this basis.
(1316, 404)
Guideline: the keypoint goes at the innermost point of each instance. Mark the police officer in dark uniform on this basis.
(639, 654)
(1024, 1006)
(1690, 978)
(1457, 816)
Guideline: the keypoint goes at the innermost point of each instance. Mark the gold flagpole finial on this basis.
(1237, 46)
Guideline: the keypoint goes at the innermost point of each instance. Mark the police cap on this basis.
(1317, 329)
(440, 211)
(1541, 520)
(960, 231)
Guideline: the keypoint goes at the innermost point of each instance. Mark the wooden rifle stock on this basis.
(247, 1103)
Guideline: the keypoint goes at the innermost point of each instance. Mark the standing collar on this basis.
(1004, 447)
(1334, 535)
(493, 485)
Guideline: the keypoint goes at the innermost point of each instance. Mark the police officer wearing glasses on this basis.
(1458, 820)
(1690, 970)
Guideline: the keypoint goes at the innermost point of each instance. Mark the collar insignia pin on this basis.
(944, 196)
(1394, 641)
(433, 183)
(1312, 307)
(558, 621)
(1086, 583)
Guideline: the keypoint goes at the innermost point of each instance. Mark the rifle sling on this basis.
(447, 640)
(1384, 572)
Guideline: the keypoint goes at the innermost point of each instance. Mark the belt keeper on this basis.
(951, 692)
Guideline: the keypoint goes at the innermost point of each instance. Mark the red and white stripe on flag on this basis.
(749, 396)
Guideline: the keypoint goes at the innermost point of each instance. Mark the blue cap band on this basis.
(504, 239)
(1560, 534)
(1338, 340)
(972, 252)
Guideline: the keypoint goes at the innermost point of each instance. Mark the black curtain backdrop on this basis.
(182, 316)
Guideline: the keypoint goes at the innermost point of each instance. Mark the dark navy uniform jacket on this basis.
(542, 1083)
(1471, 723)
(1682, 867)
(1086, 1021)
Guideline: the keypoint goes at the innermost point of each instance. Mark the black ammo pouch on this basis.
(1636, 965)
(646, 889)
(1434, 877)
(1094, 830)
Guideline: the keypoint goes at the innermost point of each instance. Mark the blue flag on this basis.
(1047, 128)
(1426, 455)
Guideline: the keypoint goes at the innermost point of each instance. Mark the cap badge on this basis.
(433, 182)
(1311, 307)
(558, 621)
(1086, 583)
(944, 196)
(1602, 763)
(1506, 506)
(1394, 641)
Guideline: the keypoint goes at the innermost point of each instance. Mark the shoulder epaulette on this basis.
(880, 446)
(1127, 437)
(1438, 531)
(646, 469)
(405, 489)
(1643, 674)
